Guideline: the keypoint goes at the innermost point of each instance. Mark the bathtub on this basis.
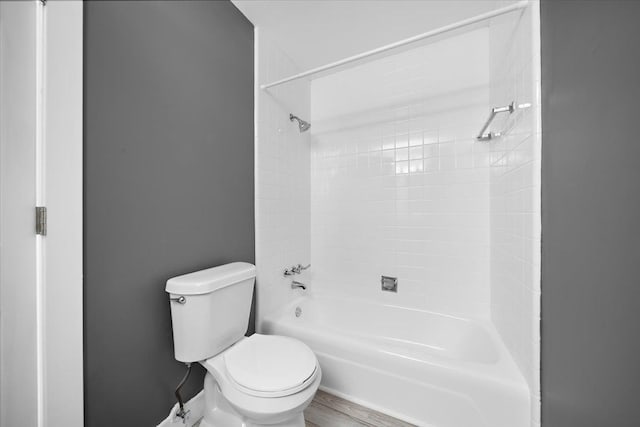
(425, 368)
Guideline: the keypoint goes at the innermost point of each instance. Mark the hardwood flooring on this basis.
(328, 410)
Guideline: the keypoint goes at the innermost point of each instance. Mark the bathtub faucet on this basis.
(295, 284)
(296, 269)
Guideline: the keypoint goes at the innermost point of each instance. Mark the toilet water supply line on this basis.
(181, 412)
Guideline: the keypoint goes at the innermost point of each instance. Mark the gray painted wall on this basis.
(590, 214)
(168, 186)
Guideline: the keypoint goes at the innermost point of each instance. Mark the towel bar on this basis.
(494, 111)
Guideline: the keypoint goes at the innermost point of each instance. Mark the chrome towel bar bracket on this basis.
(482, 136)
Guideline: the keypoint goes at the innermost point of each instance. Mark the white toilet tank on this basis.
(210, 309)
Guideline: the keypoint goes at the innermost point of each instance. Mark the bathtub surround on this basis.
(282, 179)
(399, 185)
(169, 183)
(395, 184)
(457, 220)
(515, 194)
(591, 188)
(283, 162)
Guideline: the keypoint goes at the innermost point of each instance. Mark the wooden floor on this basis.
(328, 410)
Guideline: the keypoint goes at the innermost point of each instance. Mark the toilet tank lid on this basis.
(211, 279)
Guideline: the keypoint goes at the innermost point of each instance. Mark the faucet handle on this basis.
(298, 268)
(295, 269)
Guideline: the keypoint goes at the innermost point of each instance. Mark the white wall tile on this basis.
(515, 196)
(282, 178)
(395, 187)
(392, 182)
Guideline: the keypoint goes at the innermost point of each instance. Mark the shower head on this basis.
(302, 125)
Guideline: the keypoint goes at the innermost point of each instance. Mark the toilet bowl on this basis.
(251, 381)
(261, 380)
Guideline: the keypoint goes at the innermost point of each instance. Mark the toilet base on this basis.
(216, 421)
(218, 412)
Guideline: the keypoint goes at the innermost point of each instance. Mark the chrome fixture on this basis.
(180, 300)
(389, 284)
(302, 125)
(296, 269)
(295, 285)
(181, 413)
(494, 111)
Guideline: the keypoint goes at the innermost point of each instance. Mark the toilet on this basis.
(251, 381)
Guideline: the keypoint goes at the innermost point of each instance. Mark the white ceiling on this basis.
(316, 32)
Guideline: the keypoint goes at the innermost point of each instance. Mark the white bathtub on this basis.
(425, 368)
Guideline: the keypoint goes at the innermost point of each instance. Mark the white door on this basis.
(18, 244)
(41, 360)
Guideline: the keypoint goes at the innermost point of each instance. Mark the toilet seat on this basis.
(261, 407)
(270, 366)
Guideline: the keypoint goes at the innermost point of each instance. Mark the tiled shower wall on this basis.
(399, 186)
(282, 177)
(390, 181)
(515, 194)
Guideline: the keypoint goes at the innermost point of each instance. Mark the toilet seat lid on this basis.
(270, 364)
